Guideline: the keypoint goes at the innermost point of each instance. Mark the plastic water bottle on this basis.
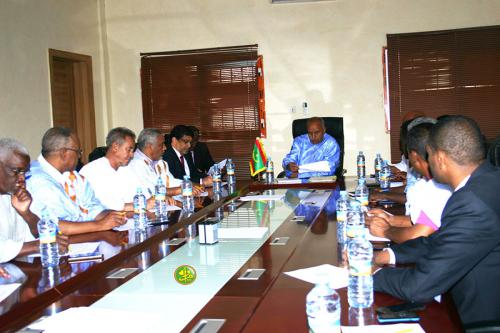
(269, 171)
(360, 287)
(378, 166)
(231, 177)
(362, 193)
(160, 199)
(140, 219)
(360, 162)
(342, 206)
(385, 177)
(355, 220)
(187, 194)
(323, 308)
(47, 229)
(216, 181)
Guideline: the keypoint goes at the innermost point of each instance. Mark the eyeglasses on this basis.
(16, 171)
(78, 151)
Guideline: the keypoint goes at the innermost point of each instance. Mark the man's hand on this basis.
(62, 243)
(293, 167)
(378, 226)
(197, 190)
(111, 220)
(150, 203)
(21, 201)
(377, 212)
(207, 181)
(381, 258)
(171, 201)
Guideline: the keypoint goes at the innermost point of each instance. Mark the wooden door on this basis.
(72, 96)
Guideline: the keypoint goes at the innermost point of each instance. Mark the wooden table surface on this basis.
(274, 303)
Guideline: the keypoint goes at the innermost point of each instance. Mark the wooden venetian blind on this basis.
(445, 72)
(215, 90)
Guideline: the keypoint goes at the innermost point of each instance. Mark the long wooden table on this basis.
(275, 302)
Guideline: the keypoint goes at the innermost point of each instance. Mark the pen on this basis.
(97, 257)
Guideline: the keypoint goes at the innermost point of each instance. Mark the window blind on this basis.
(213, 89)
(455, 72)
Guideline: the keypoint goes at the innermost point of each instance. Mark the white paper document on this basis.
(396, 184)
(372, 238)
(314, 167)
(220, 165)
(127, 226)
(289, 180)
(82, 248)
(262, 197)
(394, 328)
(244, 232)
(7, 289)
(338, 277)
(92, 319)
(76, 249)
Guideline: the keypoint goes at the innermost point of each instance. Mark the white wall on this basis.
(28, 28)
(326, 53)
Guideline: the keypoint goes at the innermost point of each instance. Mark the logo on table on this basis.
(185, 274)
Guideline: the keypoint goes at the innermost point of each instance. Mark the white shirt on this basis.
(114, 188)
(147, 172)
(403, 165)
(186, 166)
(429, 198)
(14, 231)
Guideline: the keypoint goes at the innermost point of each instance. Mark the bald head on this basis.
(316, 129)
(460, 138)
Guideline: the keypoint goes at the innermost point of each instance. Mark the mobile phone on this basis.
(410, 306)
(398, 317)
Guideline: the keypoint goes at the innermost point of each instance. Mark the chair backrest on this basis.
(494, 152)
(334, 127)
(97, 153)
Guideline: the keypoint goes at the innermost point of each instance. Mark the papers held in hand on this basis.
(314, 167)
(220, 165)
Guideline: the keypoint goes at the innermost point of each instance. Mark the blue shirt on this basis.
(304, 152)
(47, 187)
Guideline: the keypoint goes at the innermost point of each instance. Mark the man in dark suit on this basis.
(463, 256)
(199, 155)
(178, 164)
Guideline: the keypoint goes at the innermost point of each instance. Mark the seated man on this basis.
(315, 146)
(199, 154)
(17, 223)
(113, 184)
(411, 176)
(56, 185)
(147, 164)
(426, 202)
(178, 165)
(463, 256)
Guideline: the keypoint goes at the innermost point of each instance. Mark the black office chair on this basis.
(97, 153)
(483, 327)
(494, 152)
(334, 126)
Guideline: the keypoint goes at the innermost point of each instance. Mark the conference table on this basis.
(140, 277)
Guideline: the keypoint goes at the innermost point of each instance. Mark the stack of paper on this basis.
(289, 180)
(7, 289)
(314, 167)
(221, 165)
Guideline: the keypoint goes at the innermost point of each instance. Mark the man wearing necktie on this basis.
(178, 165)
